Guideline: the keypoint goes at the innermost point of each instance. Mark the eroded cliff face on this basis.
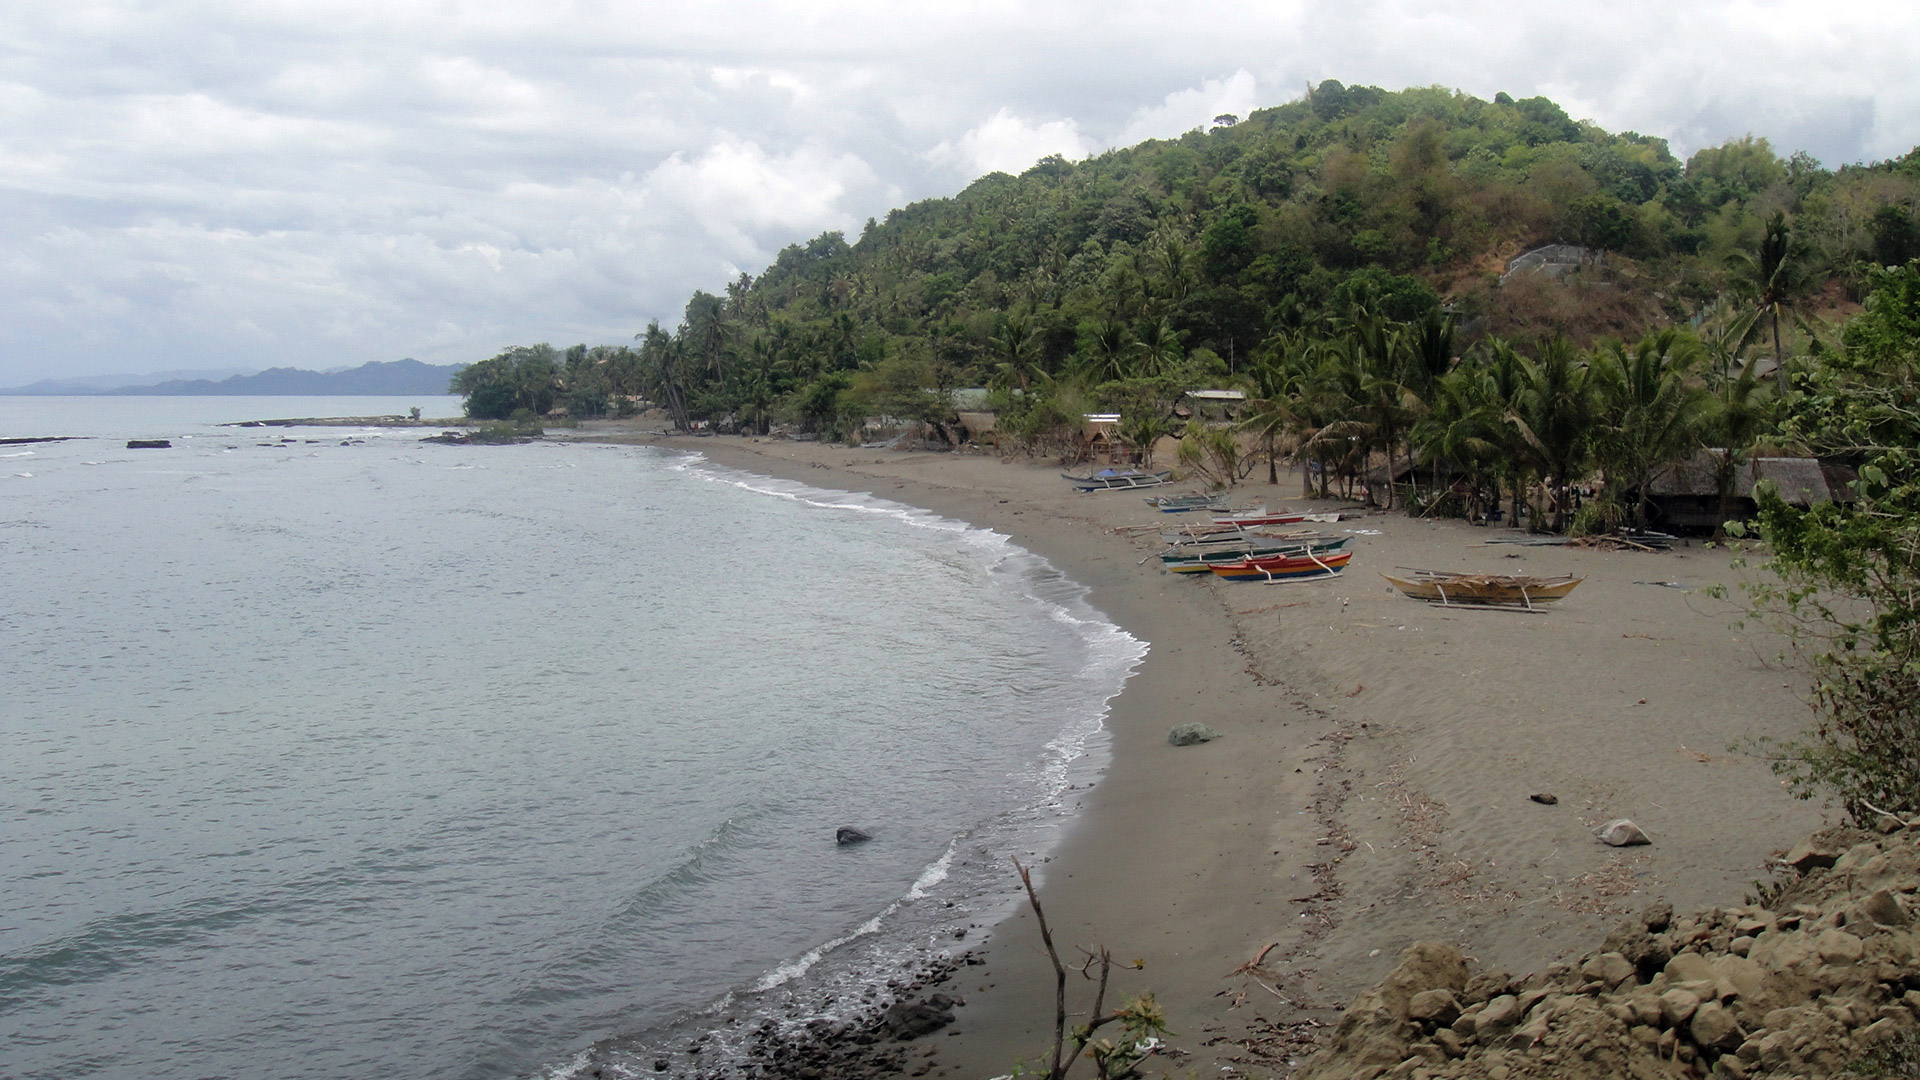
(1821, 979)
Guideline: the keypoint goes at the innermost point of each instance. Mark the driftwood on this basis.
(1063, 1058)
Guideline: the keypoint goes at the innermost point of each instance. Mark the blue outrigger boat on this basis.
(1115, 479)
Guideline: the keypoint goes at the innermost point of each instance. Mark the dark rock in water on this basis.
(149, 444)
(1191, 734)
(909, 1020)
(847, 834)
(1545, 799)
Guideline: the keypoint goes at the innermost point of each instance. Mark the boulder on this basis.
(910, 1020)
(1621, 833)
(1690, 967)
(1425, 965)
(1884, 908)
(1677, 1007)
(1657, 917)
(1809, 856)
(1840, 947)
(1191, 734)
(1714, 1027)
(1435, 1006)
(1499, 1014)
(847, 834)
(1609, 969)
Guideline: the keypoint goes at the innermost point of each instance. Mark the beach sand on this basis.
(1372, 784)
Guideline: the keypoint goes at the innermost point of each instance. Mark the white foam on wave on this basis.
(22, 453)
(1108, 656)
(793, 969)
(1113, 654)
(934, 874)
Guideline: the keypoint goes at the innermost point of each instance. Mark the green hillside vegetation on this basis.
(1340, 258)
(1343, 260)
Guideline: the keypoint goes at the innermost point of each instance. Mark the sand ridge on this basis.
(1372, 785)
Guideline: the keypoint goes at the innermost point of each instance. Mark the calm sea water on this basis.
(330, 753)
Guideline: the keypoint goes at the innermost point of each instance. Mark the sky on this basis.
(199, 184)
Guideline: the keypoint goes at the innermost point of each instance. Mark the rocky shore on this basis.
(884, 1036)
(1817, 977)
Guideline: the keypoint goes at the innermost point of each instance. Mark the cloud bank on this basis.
(215, 183)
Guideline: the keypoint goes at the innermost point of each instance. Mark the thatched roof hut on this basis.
(1687, 495)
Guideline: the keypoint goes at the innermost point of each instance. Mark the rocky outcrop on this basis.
(1822, 979)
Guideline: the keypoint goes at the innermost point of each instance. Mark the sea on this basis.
(334, 753)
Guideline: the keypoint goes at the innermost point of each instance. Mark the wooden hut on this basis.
(1687, 495)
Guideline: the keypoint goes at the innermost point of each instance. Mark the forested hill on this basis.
(1180, 259)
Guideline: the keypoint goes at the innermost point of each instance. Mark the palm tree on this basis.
(1159, 349)
(1015, 345)
(1652, 415)
(1772, 278)
(1463, 423)
(1107, 349)
(1553, 416)
(1280, 371)
(663, 362)
(1385, 402)
(1743, 411)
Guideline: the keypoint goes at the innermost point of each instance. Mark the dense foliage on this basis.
(1344, 260)
(1847, 587)
(1181, 262)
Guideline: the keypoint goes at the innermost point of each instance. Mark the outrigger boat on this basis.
(1203, 534)
(1283, 567)
(1180, 504)
(1261, 517)
(1518, 591)
(1113, 479)
(1199, 559)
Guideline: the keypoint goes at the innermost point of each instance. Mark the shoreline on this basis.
(1347, 810)
(1158, 810)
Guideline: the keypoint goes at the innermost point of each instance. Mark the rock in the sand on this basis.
(1189, 734)
(1621, 833)
(1545, 798)
(847, 834)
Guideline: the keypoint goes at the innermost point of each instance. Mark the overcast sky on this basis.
(254, 183)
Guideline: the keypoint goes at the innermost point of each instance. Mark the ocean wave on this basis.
(965, 887)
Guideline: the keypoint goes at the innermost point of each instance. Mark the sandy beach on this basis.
(1372, 785)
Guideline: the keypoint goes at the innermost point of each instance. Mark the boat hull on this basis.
(1114, 480)
(1487, 590)
(1283, 568)
(1203, 561)
(1244, 520)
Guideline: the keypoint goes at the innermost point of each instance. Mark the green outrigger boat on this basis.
(1200, 558)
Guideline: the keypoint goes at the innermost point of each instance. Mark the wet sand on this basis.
(1372, 785)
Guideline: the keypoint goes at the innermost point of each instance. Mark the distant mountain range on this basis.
(374, 378)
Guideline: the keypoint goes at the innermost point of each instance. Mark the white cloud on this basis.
(1007, 143)
(330, 181)
(735, 190)
(1184, 110)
